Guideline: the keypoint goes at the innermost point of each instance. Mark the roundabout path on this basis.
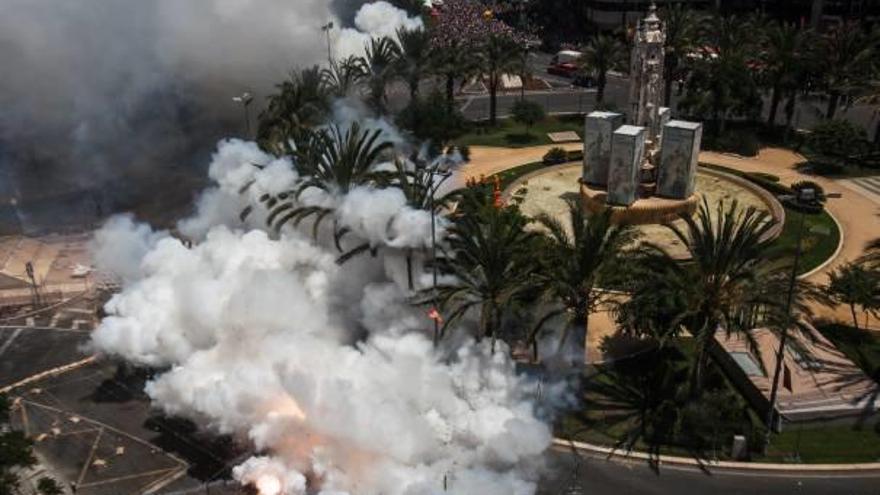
(488, 161)
(857, 211)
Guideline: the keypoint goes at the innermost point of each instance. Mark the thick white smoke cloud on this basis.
(373, 20)
(326, 369)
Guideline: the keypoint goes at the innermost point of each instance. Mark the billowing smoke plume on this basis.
(127, 97)
(327, 370)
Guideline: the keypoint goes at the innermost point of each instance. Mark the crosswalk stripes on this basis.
(871, 184)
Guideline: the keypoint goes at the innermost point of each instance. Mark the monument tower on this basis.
(645, 171)
(646, 74)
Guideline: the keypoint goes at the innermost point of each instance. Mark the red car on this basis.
(564, 63)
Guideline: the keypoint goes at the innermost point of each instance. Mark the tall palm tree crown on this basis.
(576, 255)
(784, 58)
(487, 260)
(682, 34)
(378, 68)
(413, 57)
(731, 273)
(498, 55)
(601, 55)
(847, 53)
(302, 101)
(722, 82)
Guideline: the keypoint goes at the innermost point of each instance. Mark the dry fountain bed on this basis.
(548, 191)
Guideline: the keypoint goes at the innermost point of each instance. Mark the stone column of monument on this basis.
(627, 156)
(598, 128)
(678, 160)
(646, 93)
(646, 74)
(663, 116)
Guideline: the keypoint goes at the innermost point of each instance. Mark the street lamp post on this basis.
(245, 100)
(327, 28)
(444, 175)
(801, 196)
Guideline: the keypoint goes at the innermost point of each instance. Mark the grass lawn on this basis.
(825, 444)
(822, 443)
(821, 235)
(820, 240)
(509, 176)
(510, 134)
(860, 346)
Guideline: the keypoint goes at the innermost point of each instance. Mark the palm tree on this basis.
(783, 58)
(343, 77)
(378, 68)
(856, 284)
(732, 273)
(413, 57)
(333, 160)
(602, 54)
(846, 52)
(420, 184)
(487, 258)
(682, 30)
(301, 102)
(576, 255)
(721, 82)
(498, 55)
(453, 63)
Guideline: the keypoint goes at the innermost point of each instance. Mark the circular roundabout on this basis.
(548, 191)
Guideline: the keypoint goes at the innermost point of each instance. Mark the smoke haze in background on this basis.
(124, 98)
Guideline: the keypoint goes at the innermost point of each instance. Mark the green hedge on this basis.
(767, 181)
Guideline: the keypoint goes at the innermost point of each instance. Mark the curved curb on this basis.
(45, 374)
(833, 257)
(871, 468)
(74, 297)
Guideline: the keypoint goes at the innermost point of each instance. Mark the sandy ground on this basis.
(487, 160)
(856, 210)
(548, 191)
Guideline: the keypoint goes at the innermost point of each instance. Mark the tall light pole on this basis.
(444, 175)
(801, 197)
(29, 269)
(245, 100)
(327, 28)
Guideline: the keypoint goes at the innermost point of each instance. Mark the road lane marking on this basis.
(8, 342)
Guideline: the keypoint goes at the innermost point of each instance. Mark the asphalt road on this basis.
(576, 475)
(563, 98)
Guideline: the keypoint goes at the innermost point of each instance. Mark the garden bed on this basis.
(510, 134)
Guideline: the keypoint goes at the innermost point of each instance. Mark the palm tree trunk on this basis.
(450, 91)
(774, 105)
(409, 270)
(668, 77)
(600, 89)
(789, 111)
(833, 100)
(816, 13)
(493, 100)
(699, 375)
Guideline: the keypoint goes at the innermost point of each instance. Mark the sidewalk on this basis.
(871, 468)
(856, 213)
